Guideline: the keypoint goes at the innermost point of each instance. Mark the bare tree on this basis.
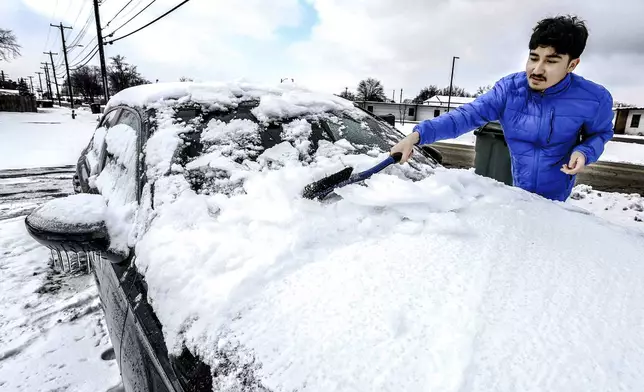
(426, 93)
(86, 80)
(482, 90)
(346, 94)
(456, 92)
(9, 48)
(122, 75)
(371, 89)
(186, 79)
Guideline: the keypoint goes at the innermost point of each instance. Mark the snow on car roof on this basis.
(281, 101)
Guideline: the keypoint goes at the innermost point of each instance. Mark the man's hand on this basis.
(406, 146)
(576, 164)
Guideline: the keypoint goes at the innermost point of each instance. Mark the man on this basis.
(555, 122)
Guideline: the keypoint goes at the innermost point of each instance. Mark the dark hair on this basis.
(566, 34)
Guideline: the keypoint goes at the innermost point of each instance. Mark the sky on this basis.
(330, 45)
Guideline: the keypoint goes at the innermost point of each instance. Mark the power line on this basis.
(82, 52)
(82, 8)
(141, 28)
(132, 9)
(49, 29)
(129, 20)
(82, 32)
(93, 54)
(117, 14)
(86, 59)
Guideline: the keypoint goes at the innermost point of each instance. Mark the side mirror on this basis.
(72, 224)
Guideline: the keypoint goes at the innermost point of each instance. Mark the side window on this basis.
(118, 181)
(110, 118)
(130, 119)
(95, 157)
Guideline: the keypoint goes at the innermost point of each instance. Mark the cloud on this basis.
(407, 44)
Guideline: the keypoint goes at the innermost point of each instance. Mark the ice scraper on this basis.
(321, 188)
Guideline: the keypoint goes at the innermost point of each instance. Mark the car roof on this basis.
(281, 101)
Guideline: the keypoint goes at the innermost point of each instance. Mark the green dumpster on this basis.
(492, 156)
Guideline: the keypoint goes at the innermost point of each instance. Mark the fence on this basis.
(17, 103)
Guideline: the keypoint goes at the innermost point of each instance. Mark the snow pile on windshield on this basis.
(64, 214)
(453, 282)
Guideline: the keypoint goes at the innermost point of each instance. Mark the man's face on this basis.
(545, 67)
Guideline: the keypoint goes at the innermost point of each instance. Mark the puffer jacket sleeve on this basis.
(598, 132)
(487, 107)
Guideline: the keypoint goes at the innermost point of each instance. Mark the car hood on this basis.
(451, 283)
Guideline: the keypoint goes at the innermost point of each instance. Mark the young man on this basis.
(554, 121)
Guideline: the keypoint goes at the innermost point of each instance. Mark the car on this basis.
(215, 272)
(135, 331)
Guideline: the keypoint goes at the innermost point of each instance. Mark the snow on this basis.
(282, 101)
(624, 153)
(623, 209)
(60, 215)
(47, 138)
(52, 329)
(453, 282)
(618, 152)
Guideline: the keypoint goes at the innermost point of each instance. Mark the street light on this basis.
(449, 98)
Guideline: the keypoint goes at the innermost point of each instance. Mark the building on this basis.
(629, 121)
(410, 111)
(443, 101)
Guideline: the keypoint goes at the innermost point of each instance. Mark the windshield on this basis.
(216, 144)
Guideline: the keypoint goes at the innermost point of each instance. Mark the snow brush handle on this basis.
(393, 158)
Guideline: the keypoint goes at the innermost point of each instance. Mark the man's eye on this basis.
(552, 62)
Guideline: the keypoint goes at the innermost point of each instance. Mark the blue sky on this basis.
(333, 44)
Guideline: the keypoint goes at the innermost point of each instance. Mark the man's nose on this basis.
(538, 70)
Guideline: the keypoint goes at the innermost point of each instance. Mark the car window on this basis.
(367, 133)
(130, 119)
(117, 181)
(110, 118)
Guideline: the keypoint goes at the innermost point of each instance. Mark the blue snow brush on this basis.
(321, 188)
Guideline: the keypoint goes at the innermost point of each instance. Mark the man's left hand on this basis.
(576, 164)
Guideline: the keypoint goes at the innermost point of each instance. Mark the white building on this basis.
(444, 101)
(629, 121)
(408, 111)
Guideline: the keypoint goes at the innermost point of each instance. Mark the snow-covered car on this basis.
(216, 274)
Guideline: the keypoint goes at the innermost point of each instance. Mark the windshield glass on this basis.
(216, 144)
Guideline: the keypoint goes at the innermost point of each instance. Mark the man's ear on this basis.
(573, 64)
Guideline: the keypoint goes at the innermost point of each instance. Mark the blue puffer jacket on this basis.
(542, 129)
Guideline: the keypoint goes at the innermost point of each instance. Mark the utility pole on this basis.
(53, 69)
(48, 81)
(101, 53)
(69, 79)
(31, 81)
(451, 80)
(40, 81)
(402, 117)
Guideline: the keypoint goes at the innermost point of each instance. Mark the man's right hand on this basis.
(406, 146)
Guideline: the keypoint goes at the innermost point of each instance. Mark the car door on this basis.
(113, 159)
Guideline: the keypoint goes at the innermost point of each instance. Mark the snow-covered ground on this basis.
(47, 138)
(52, 329)
(477, 311)
(614, 151)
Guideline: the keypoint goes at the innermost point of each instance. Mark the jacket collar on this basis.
(556, 89)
